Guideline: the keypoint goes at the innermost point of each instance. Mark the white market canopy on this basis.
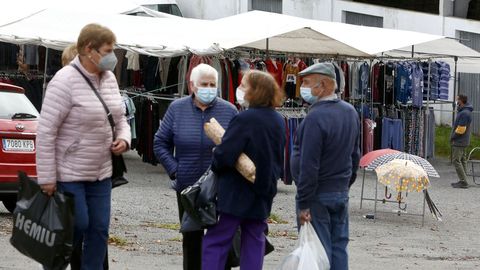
(292, 34)
(56, 29)
(166, 35)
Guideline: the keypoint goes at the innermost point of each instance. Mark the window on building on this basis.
(429, 6)
(363, 19)
(266, 5)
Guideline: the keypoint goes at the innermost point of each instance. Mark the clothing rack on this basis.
(288, 112)
(21, 75)
(148, 95)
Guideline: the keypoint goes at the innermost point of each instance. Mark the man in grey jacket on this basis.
(460, 140)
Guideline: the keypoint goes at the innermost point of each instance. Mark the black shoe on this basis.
(459, 184)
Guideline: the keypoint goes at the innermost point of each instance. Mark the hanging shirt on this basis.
(133, 61)
(376, 92)
(444, 74)
(290, 73)
(417, 85)
(403, 82)
(364, 77)
(346, 73)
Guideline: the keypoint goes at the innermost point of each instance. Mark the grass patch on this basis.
(275, 219)
(442, 142)
(282, 234)
(166, 226)
(175, 239)
(117, 241)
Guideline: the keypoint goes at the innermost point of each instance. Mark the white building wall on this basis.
(212, 9)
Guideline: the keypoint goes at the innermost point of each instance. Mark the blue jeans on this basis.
(329, 213)
(92, 219)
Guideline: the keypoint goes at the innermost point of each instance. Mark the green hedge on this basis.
(442, 142)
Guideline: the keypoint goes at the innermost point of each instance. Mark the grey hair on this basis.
(203, 70)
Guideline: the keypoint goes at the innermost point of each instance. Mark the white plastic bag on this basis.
(310, 253)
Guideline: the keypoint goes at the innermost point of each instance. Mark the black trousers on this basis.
(191, 244)
(76, 260)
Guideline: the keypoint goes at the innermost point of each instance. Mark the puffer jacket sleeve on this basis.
(163, 144)
(55, 108)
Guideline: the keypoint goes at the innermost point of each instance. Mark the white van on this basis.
(165, 6)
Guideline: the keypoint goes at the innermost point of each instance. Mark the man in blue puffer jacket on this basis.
(183, 148)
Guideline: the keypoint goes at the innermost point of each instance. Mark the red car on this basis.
(18, 126)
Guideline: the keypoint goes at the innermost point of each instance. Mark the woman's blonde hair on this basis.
(264, 90)
(68, 54)
(94, 35)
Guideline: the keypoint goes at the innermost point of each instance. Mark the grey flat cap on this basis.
(326, 69)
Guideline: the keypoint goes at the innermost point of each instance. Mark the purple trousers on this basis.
(218, 240)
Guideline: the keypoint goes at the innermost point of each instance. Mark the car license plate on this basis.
(15, 145)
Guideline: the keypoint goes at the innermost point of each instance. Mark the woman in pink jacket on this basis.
(75, 140)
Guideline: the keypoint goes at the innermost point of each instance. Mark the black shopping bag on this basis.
(43, 225)
(199, 201)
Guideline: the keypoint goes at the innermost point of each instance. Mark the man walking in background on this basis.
(460, 140)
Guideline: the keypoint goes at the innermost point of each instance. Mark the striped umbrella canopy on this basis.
(429, 169)
(371, 156)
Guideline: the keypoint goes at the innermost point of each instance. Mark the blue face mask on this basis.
(206, 94)
(306, 93)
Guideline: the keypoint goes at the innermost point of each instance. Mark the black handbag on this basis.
(118, 163)
(199, 201)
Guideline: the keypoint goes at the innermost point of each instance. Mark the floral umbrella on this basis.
(403, 175)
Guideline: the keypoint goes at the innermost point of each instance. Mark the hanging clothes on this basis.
(340, 78)
(444, 75)
(376, 92)
(417, 85)
(346, 72)
(403, 82)
(196, 60)
(368, 135)
(392, 134)
(275, 68)
(430, 80)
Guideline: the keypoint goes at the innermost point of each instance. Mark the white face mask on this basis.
(240, 95)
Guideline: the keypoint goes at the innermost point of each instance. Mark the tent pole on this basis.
(455, 92)
(454, 99)
(267, 49)
(45, 74)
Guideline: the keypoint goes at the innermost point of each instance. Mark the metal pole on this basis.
(427, 112)
(45, 74)
(363, 186)
(376, 200)
(454, 90)
(185, 80)
(413, 51)
(454, 98)
(267, 47)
